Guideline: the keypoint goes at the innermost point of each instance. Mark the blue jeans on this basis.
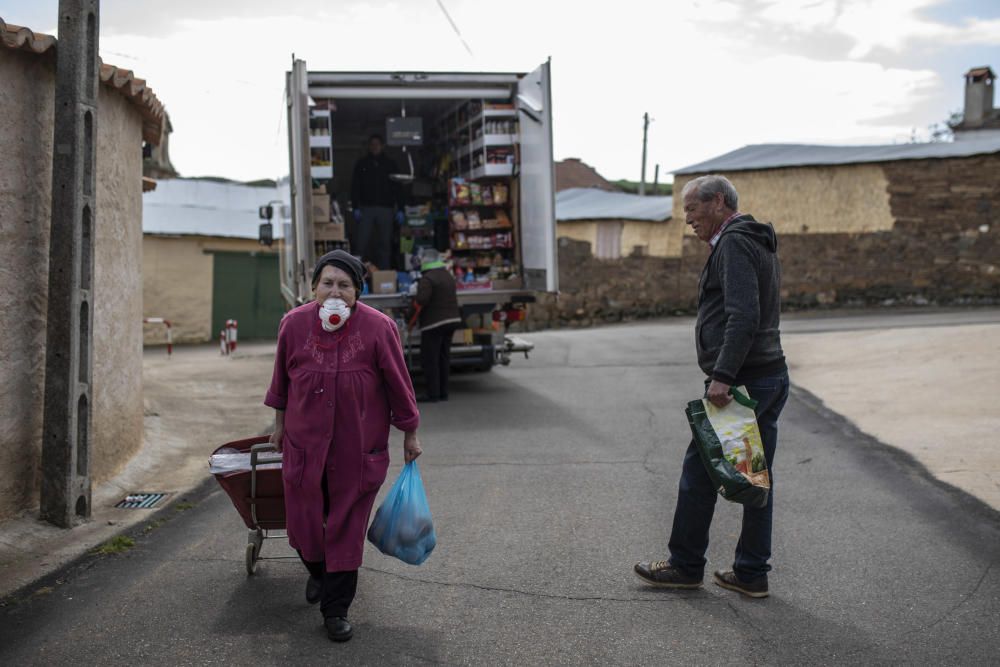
(696, 497)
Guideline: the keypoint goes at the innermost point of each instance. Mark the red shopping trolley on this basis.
(257, 493)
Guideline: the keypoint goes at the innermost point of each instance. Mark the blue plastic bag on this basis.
(402, 527)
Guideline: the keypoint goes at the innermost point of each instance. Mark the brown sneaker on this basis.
(754, 589)
(664, 575)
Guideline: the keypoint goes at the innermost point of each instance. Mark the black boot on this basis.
(314, 589)
(338, 628)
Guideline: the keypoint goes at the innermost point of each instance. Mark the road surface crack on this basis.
(965, 598)
(674, 598)
(540, 464)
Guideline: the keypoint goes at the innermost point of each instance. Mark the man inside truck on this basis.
(376, 198)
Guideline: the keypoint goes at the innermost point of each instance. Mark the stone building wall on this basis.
(940, 246)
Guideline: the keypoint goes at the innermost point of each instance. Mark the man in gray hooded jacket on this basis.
(738, 343)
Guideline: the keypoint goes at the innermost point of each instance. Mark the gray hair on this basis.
(428, 255)
(706, 187)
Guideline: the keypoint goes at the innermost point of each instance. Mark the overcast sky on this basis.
(715, 76)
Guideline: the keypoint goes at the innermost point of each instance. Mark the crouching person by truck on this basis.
(439, 318)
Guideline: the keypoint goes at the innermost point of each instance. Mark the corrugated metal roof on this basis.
(181, 206)
(121, 80)
(775, 156)
(594, 204)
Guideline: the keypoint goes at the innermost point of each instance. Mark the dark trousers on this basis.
(435, 359)
(339, 588)
(373, 236)
(696, 497)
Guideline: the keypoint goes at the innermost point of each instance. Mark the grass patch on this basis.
(183, 506)
(115, 545)
(153, 525)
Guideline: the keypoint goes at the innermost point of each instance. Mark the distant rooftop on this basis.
(203, 207)
(776, 156)
(575, 173)
(594, 204)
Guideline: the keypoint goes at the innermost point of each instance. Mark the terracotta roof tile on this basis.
(18, 37)
(138, 93)
(121, 80)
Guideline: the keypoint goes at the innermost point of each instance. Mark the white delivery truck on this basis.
(475, 179)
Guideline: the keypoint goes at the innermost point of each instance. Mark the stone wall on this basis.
(942, 247)
(595, 291)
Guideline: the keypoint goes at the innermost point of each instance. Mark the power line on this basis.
(455, 28)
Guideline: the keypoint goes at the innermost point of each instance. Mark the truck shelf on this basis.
(488, 140)
(491, 171)
(487, 113)
(321, 172)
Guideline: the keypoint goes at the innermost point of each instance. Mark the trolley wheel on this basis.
(253, 552)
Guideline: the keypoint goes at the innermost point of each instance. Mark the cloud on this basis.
(715, 76)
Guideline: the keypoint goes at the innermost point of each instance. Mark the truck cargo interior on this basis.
(472, 176)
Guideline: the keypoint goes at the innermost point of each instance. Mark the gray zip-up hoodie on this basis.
(739, 305)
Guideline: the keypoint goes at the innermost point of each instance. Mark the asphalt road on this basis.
(547, 480)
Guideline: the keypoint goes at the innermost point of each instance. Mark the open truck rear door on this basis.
(301, 254)
(537, 182)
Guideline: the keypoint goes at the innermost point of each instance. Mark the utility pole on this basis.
(645, 133)
(66, 428)
(656, 180)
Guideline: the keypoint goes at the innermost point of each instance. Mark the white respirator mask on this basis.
(333, 314)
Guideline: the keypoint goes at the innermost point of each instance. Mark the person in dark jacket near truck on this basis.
(439, 317)
(738, 343)
(376, 200)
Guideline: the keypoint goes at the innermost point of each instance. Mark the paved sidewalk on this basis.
(194, 401)
(930, 391)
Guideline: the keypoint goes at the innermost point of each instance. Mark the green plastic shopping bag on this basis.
(729, 443)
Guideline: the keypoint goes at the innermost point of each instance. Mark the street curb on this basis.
(89, 558)
(971, 505)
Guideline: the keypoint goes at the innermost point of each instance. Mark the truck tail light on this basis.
(511, 315)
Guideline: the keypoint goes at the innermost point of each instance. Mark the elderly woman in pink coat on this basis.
(339, 382)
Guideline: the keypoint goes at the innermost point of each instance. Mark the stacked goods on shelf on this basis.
(481, 233)
(320, 144)
(477, 140)
(417, 233)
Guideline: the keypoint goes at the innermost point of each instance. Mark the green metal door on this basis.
(245, 288)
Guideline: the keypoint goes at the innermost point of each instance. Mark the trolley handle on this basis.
(255, 460)
(260, 448)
